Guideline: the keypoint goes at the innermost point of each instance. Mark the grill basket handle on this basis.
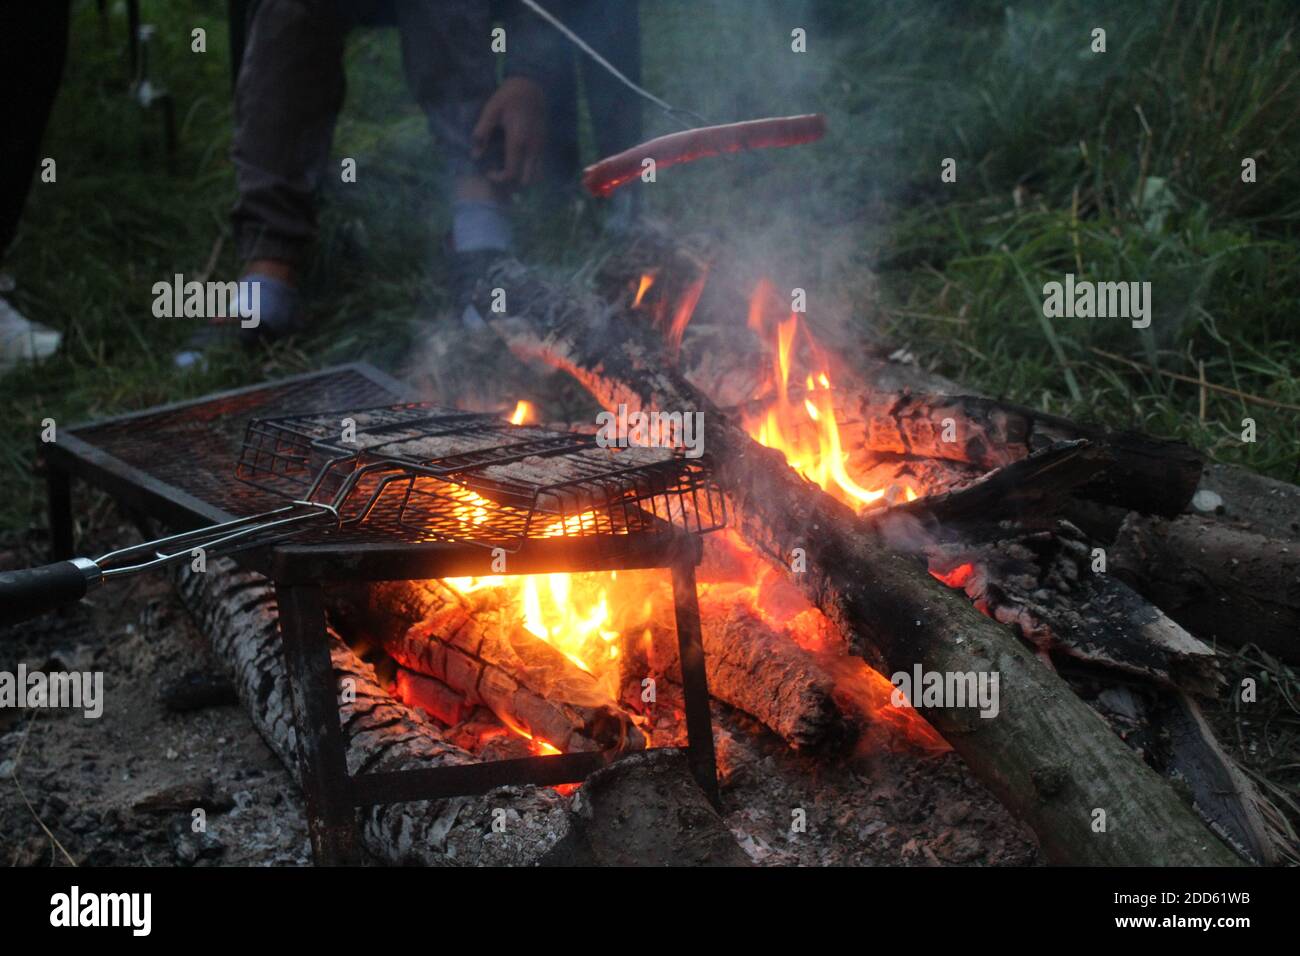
(27, 594)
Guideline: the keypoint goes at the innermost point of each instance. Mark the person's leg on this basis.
(614, 31)
(287, 99)
(33, 49)
(452, 74)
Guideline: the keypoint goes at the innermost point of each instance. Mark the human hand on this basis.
(518, 109)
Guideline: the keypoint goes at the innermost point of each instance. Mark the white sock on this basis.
(480, 224)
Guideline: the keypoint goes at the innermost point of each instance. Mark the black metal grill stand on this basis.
(123, 455)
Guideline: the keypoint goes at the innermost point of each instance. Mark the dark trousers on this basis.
(613, 29)
(33, 50)
(291, 87)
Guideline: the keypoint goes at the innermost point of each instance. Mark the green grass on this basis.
(1129, 174)
(1120, 166)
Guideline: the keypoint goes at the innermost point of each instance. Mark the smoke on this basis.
(804, 217)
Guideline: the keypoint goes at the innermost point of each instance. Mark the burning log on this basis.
(757, 667)
(237, 612)
(432, 696)
(528, 684)
(1148, 474)
(574, 717)
(1228, 584)
(751, 666)
(762, 671)
(885, 603)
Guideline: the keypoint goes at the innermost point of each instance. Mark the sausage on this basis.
(604, 177)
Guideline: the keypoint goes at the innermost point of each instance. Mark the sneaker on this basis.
(22, 340)
(279, 313)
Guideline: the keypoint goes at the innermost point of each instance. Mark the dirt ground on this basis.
(120, 789)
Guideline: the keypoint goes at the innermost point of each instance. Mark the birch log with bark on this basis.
(237, 612)
(1047, 756)
(483, 652)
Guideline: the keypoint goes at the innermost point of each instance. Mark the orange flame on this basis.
(682, 315)
(806, 431)
(647, 280)
(574, 613)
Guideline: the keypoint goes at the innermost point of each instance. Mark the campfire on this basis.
(892, 554)
(613, 631)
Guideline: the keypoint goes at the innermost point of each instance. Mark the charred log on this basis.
(1226, 583)
(1042, 584)
(1147, 474)
(1028, 491)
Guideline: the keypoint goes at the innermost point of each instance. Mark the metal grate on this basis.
(196, 449)
(437, 474)
(193, 447)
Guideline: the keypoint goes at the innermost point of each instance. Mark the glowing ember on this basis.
(957, 577)
(806, 431)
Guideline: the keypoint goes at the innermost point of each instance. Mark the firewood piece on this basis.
(569, 725)
(766, 674)
(1148, 474)
(1225, 797)
(887, 605)
(1224, 583)
(236, 610)
(647, 810)
(431, 696)
(425, 627)
(1027, 489)
(1041, 583)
